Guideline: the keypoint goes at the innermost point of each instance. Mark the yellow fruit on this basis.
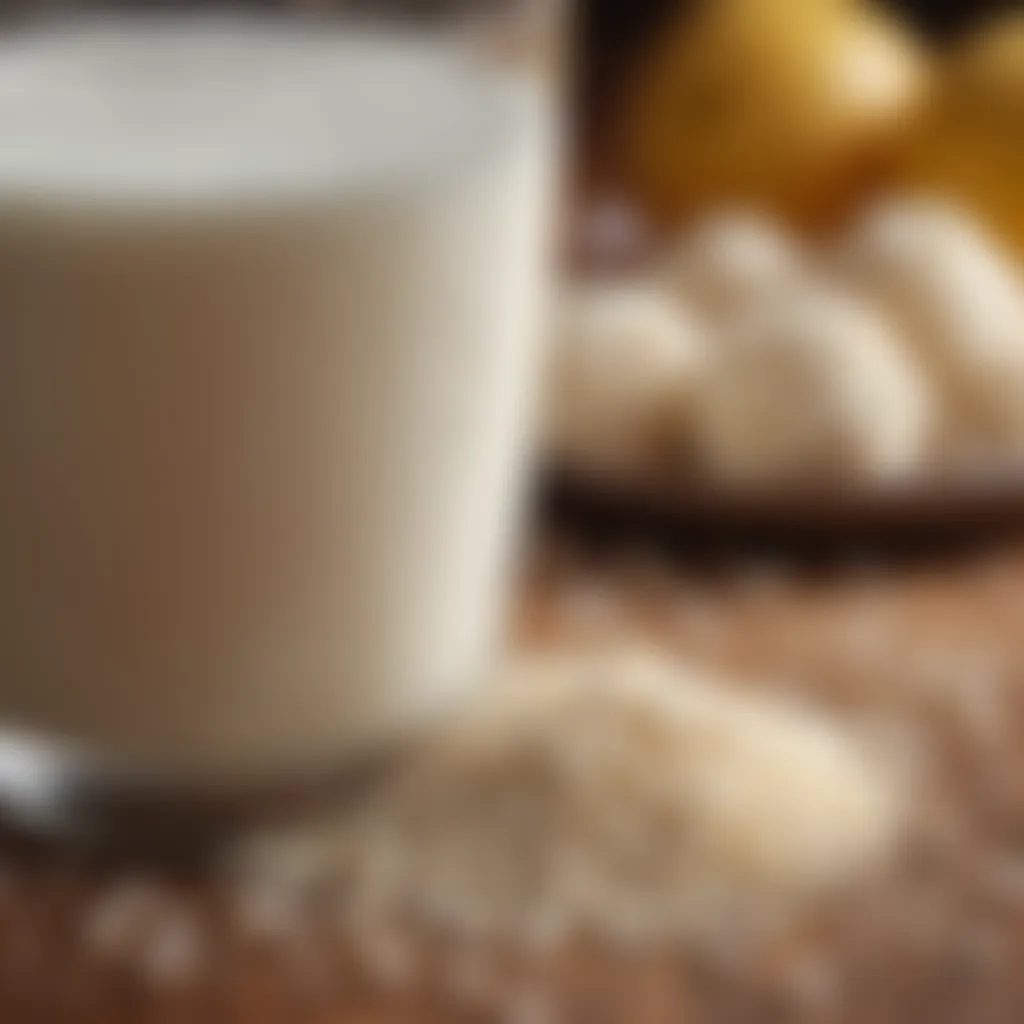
(969, 146)
(787, 104)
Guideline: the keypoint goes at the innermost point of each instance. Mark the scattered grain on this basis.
(172, 953)
(120, 914)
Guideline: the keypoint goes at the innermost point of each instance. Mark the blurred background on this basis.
(610, 29)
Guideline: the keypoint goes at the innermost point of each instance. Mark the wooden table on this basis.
(927, 657)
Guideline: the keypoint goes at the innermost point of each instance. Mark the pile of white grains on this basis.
(623, 798)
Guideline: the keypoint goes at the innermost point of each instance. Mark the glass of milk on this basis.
(271, 296)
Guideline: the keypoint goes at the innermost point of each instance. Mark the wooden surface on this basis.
(928, 658)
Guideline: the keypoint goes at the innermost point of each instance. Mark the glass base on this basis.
(48, 793)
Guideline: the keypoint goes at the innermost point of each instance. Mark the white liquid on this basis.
(269, 304)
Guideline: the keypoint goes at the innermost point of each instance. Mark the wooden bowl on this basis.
(961, 502)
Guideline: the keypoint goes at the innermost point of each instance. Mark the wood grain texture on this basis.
(931, 653)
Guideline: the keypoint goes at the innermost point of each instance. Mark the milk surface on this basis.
(270, 302)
